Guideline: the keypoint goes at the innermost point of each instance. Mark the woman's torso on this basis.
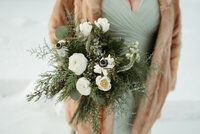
(141, 26)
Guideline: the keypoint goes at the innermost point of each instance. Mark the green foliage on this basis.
(69, 86)
(75, 95)
(61, 32)
(45, 51)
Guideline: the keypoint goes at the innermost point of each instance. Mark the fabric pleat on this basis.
(141, 26)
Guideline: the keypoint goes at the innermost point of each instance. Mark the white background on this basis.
(23, 25)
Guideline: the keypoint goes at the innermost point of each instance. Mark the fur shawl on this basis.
(166, 53)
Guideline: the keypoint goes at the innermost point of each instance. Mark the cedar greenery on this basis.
(62, 81)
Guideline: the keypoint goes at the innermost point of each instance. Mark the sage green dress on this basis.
(141, 26)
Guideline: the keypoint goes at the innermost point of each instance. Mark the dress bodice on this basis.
(141, 26)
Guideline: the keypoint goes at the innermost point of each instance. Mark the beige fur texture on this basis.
(166, 54)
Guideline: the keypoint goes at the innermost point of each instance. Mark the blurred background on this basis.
(23, 25)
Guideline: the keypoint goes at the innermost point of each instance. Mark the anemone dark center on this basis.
(58, 45)
(103, 63)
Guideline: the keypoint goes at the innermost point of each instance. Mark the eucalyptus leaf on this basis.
(75, 95)
(61, 32)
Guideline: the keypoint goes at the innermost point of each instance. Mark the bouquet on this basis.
(93, 69)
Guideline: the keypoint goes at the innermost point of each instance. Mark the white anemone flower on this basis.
(61, 49)
(109, 64)
(98, 69)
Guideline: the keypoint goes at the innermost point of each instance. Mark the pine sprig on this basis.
(69, 87)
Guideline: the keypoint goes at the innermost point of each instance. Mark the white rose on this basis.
(77, 63)
(102, 23)
(103, 83)
(83, 86)
(86, 28)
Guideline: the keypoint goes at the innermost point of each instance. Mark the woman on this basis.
(156, 25)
